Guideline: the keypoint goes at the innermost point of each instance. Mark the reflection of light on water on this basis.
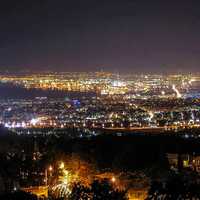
(178, 94)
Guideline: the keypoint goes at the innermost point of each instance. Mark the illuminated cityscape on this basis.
(99, 100)
(87, 106)
(104, 83)
(116, 102)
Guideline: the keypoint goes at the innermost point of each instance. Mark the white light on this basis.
(178, 94)
(151, 115)
(7, 125)
(118, 83)
(190, 81)
(163, 93)
(23, 125)
(34, 121)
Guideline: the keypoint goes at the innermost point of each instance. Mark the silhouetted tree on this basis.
(79, 192)
(97, 191)
(19, 195)
(104, 190)
(177, 186)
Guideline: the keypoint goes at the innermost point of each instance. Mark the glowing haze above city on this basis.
(117, 36)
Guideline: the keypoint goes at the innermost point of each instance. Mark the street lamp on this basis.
(113, 179)
(50, 169)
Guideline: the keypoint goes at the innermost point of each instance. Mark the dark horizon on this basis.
(118, 36)
(100, 70)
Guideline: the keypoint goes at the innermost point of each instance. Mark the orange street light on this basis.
(113, 179)
(50, 168)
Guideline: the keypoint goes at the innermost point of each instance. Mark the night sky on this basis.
(90, 35)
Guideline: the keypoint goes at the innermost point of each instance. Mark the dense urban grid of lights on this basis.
(127, 101)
